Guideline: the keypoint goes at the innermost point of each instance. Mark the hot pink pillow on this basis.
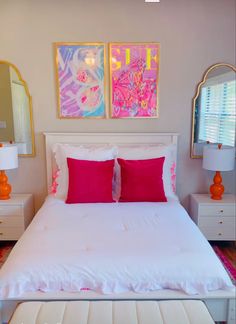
(141, 180)
(90, 181)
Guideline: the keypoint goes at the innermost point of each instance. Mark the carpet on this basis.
(227, 263)
(5, 249)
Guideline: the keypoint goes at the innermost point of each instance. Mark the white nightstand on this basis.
(215, 218)
(15, 215)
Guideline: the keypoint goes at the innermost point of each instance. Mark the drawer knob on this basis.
(1, 222)
(220, 222)
(1, 233)
(219, 234)
(221, 210)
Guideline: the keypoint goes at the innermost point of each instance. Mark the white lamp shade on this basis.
(8, 157)
(216, 159)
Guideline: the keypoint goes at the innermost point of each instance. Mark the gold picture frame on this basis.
(137, 67)
(80, 70)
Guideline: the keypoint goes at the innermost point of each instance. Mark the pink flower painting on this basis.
(134, 80)
(80, 80)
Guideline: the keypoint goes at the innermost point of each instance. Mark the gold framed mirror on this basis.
(213, 109)
(16, 116)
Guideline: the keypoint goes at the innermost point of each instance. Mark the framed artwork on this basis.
(80, 80)
(134, 82)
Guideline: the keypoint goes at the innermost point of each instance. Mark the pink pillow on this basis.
(90, 181)
(141, 180)
(54, 182)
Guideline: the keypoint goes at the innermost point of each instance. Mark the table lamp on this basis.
(8, 160)
(218, 158)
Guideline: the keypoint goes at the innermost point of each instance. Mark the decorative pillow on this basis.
(54, 182)
(141, 180)
(152, 151)
(90, 181)
(81, 152)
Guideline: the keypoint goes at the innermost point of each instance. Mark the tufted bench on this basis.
(112, 312)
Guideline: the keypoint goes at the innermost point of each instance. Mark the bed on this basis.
(114, 251)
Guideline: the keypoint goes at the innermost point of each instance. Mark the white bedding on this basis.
(112, 248)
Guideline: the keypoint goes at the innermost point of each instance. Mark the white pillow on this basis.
(143, 152)
(80, 152)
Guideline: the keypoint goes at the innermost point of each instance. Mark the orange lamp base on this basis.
(5, 188)
(217, 189)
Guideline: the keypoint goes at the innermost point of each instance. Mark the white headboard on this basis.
(101, 138)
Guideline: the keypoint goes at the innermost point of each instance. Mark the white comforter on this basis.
(112, 248)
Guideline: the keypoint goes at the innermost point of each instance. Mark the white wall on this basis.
(194, 34)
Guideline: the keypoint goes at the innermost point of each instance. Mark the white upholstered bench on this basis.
(112, 312)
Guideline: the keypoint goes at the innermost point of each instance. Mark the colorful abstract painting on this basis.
(80, 79)
(134, 80)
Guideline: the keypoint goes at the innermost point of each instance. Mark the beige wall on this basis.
(194, 34)
(6, 112)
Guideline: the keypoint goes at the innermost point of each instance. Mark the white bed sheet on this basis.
(112, 248)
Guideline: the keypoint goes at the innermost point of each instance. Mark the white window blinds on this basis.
(217, 110)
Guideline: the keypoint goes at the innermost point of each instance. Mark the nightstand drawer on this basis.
(16, 214)
(11, 221)
(214, 210)
(215, 218)
(216, 221)
(13, 210)
(220, 232)
(11, 233)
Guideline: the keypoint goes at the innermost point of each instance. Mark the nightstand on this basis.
(15, 215)
(215, 218)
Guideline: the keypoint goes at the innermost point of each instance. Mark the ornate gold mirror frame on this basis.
(31, 126)
(199, 86)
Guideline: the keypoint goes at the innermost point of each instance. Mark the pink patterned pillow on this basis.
(173, 176)
(54, 182)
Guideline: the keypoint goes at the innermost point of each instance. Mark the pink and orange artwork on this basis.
(134, 83)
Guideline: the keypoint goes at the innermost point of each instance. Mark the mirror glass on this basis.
(15, 110)
(214, 118)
